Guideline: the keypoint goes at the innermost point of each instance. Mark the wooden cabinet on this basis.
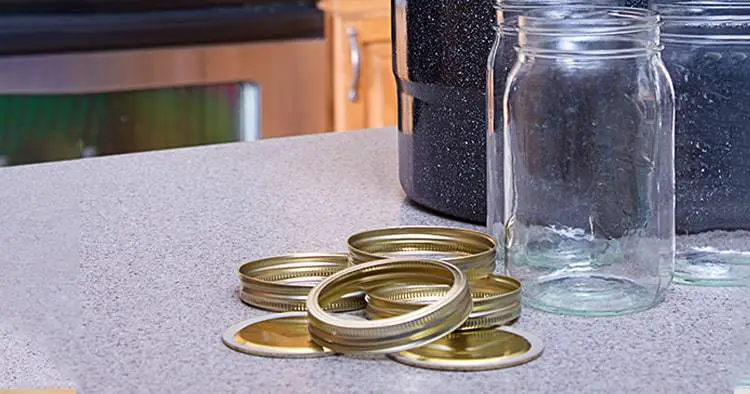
(361, 83)
(381, 100)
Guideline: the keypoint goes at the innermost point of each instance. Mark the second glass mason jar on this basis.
(589, 161)
(706, 50)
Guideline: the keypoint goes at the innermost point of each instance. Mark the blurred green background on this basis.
(39, 128)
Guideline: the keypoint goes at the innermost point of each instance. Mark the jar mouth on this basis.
(700, 21)
(522, 5)
(589, 31)
(510, 10)
(594, 20)
(701, 9)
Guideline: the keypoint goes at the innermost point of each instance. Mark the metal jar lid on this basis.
(407, 331)
(279, 335)
(496, 300)
(475, 350)
(471, 251)
(282, 283)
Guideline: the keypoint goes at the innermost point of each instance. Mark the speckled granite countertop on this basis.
(119, 275)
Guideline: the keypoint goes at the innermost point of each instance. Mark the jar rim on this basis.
(703, 11)
(521, 5)
(623, 32)
(596, 20)
(672, 38)
(670, 7)
(705, 21)
(509, 24)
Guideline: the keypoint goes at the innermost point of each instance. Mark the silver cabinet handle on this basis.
(356, 58)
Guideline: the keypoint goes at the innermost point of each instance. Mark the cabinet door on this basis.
(381, 90)
(364, 87)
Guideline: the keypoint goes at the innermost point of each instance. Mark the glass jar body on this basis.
(589, 178)
(706, 50)
(502, 58)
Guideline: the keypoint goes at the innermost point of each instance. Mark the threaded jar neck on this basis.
(588, 31)
(704, 22)
(508, 11)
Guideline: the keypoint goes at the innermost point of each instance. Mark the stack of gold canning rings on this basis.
(430, 296)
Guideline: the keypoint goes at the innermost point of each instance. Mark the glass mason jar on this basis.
(501, 59)
(589, 161)
(706, 49)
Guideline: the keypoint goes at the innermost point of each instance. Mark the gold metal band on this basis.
(282, 283)
(471, 251)
(496, 300)
(408, 331)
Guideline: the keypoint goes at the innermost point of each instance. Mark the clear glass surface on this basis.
(588, 163)
(503, 56)
(706, 50)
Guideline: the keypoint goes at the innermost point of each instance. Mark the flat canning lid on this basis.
(278, 335)
(475, 350)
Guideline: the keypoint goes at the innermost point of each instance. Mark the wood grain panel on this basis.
(369, 20)
(382, 107)
(371, 32)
